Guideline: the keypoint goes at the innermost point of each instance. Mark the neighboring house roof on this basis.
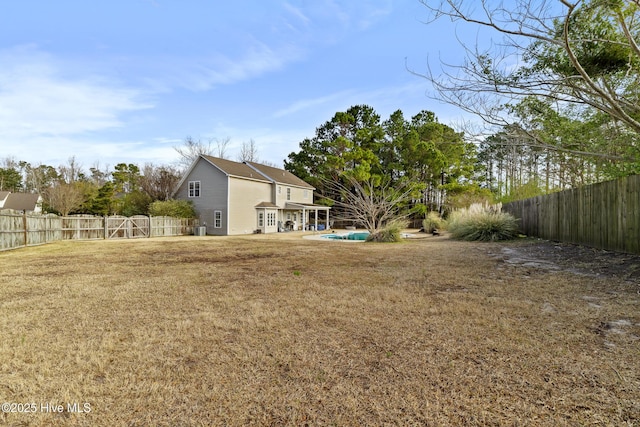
(21, 201)
(3, 197)
(280, 176)
(236, 169)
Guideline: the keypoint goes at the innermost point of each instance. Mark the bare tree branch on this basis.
(248, 152)
(369, 203)
(191, 150)
(221, 147)
(492, 77)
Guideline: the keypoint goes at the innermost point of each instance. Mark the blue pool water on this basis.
(360, 235)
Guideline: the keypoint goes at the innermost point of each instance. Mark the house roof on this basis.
(311, 206)
(280, 176)
(236, 169)
(3, 195)
(267, 205)
(248, 170)
(21, 201)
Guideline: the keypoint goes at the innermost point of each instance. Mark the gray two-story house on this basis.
(242, 198)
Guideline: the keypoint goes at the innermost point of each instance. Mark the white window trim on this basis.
(217, 219)
(271, 219)
(192, 188)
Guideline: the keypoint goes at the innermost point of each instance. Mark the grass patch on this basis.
(218, 331)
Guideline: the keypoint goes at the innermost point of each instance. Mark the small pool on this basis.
(360, 235)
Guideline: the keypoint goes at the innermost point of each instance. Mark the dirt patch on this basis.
(554, 256)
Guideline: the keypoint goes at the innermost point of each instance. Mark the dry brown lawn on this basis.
(267, 330)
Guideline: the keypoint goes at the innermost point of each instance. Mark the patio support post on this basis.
(316, 220)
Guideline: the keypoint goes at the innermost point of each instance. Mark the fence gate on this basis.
(122, 227)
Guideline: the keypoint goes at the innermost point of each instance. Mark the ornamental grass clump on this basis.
(482, 223)
(392, 232)
(433, 222)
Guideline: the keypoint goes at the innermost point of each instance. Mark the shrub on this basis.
(432, 222)
(135, 203)
(392, 232)
(482, 222)
(174, 208)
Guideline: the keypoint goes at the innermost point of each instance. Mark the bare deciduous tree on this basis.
(65, 197)
(248, 152)
(371, 203)
(159, 181)
(70, 172)
(191, 150)
(221, 147)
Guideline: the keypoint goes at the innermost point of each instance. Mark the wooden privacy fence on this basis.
(604, 215)
(19, 229)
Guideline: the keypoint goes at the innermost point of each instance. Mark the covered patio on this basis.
(306, 209)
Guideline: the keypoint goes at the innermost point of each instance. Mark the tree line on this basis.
(67, 189)
(356, 146)
(126, 189)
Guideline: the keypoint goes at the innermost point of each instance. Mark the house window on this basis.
(279, 189)
(194, 188)
(271, 219)
(217, 219)
(260, 219)
(288, 194)
(306, 194)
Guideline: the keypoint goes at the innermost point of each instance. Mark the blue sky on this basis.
(127, 80)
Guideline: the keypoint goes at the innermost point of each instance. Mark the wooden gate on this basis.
(122, 227)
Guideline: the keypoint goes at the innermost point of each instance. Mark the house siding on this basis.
(297, 195)
(245, 195)
(213, 195)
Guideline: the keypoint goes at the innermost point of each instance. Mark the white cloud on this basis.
(56, 151)
(305, 104)
(374, 13)
(297, 13)
(37, 102)
(339, 101)
(357, 14)
(288, 36)
(205, 73)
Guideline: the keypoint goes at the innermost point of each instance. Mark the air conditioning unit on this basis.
(200, 231)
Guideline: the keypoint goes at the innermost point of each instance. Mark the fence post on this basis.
(105, 220)
(24, 225)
